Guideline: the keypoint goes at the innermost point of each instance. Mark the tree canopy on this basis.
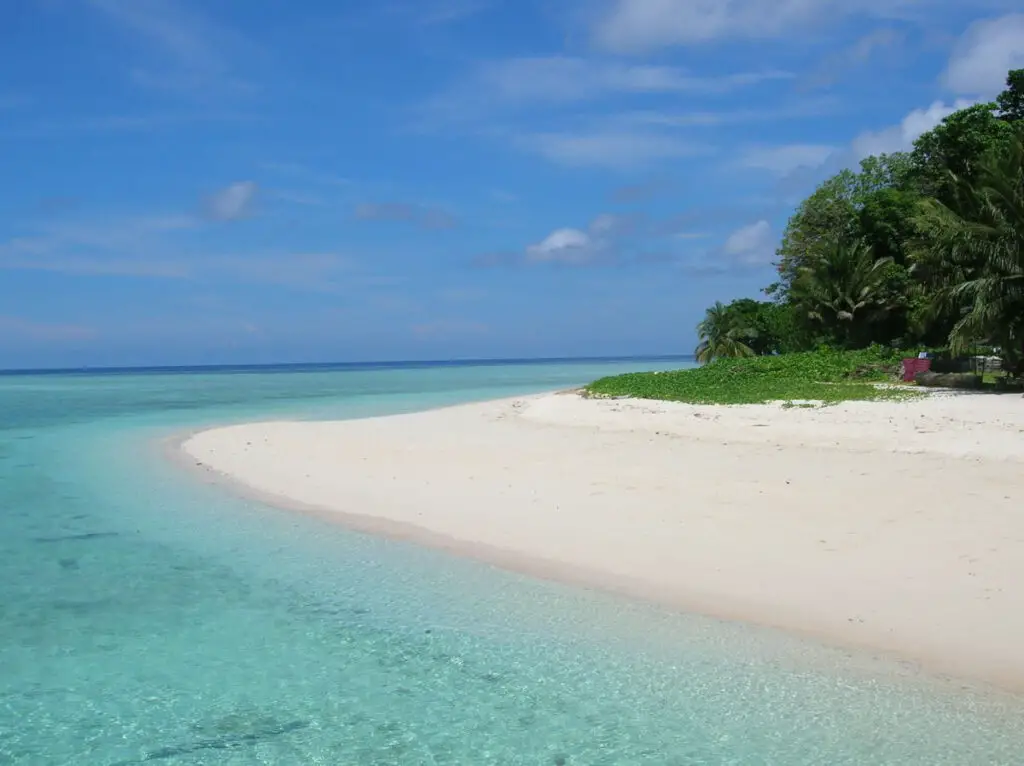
(919, 248)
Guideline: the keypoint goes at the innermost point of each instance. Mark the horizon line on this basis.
(246, 366)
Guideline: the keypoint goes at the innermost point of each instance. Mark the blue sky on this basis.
(202, 182)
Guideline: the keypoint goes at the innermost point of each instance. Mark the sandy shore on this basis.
(894, 526)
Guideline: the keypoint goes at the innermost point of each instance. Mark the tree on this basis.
(975, 251)
(883, 171)
(956, 146)
(835, 212)
(721, 335)
(1011, 100)
(886, 222)
(766, 327)
(844, 290)
(864, 257)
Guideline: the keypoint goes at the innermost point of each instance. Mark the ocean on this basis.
(148, 617)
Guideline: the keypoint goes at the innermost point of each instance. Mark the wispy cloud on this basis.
(611, 149)
(101, 234)
(114, 124)
(564, 79)
(148, 247)
(503, 196)
(11, 101)
(784, 159)
(18, 328)
(550, 81)
(185, 50)
(405, 212)
(534, 104)
(751, 245)
(640, 192)
(446, 328)
(304, 199)
(309, 272)
(632, 26)
(306, 173)
(232, 202)
(114, 247)
(884, 42)
(452, 11)
(462, 294)
(662, 118)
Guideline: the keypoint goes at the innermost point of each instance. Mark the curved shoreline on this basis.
(422, 475)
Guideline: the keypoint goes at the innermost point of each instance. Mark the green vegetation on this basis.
(825, 376)
(917, 249)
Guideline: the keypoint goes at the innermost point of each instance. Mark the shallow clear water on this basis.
(148, 618)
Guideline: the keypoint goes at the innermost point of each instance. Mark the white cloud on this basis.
(984, 54)
(751, 245)
(639, 25)
(613, 149)
(578, 247)
(232, 202)
(901, 137)
(785, 159)
(977, 67)
(563, 245)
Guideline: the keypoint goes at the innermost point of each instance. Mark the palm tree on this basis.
(721, 335)
(845, 289)
(975, 253)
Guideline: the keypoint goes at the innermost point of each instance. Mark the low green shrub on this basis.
(827, 376)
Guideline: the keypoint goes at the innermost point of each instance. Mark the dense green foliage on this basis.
(825, 376)
(915, 249)
(724, 334)
(976, 247)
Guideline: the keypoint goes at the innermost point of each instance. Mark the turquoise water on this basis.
(148, 618)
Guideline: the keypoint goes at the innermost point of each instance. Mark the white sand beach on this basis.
(896, 526)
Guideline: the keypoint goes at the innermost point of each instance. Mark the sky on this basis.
(257, 181)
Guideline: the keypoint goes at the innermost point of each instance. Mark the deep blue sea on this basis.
(149, 618)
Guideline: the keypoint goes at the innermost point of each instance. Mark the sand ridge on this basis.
(897, 526)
